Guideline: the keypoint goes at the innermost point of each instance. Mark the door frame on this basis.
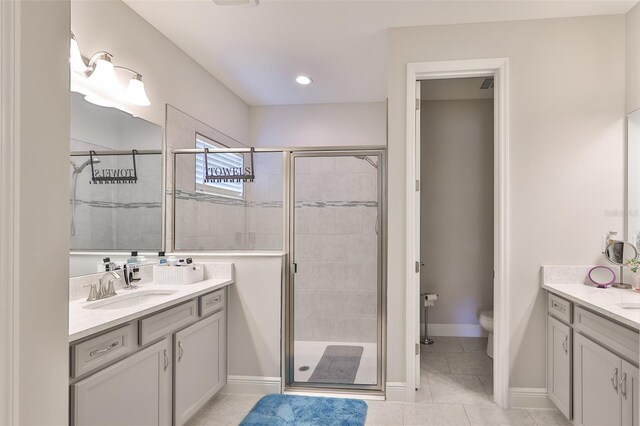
(9, 170)
(289, 385)
(499, 68)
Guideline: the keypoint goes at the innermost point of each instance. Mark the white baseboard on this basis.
(252, 385)
(396, 391)
(454, 330)
(529, 398)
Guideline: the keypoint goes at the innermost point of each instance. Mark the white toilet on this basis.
(486, 321)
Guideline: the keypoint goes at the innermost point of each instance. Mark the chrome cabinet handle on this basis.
(166, 360)
(555, 305)
(614, 379)
(213, 301)
(564, 344)
(623, 385)
(180, 351)
(105, 350)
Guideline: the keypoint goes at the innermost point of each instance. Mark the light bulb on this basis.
(104, 77)
(75, 57)
(135, 92)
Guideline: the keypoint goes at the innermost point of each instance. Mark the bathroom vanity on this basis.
(152, 355)
(593, 349)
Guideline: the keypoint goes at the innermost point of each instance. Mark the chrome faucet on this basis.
(107, 288)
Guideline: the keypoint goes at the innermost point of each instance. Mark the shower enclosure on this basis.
(324, 208)
(335, 314)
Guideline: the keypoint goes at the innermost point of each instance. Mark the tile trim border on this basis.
(529, 398)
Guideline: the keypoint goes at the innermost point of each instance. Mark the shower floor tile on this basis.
(309, 353)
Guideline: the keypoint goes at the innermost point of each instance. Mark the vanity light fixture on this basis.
(304, 80)
(98, 81)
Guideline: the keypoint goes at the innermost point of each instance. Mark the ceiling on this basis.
(342, 45)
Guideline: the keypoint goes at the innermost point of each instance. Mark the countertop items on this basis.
(621, 305)
(87, 318)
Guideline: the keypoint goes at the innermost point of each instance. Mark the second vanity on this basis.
(152, 355)
(593, 349)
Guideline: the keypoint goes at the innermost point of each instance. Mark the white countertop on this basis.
(601, 300)
(84, 322)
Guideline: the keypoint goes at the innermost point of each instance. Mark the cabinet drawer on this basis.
(616, 337)
(166, 322)
(209, 303)
(559, 308)
(100, 350)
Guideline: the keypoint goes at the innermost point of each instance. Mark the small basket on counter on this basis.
(177, 275)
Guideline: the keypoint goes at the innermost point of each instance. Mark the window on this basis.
(222, 160)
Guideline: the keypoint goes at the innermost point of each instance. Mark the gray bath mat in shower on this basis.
(339, 364)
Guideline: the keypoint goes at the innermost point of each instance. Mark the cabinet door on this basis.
(596, 384)
(630, 393)
(134, 391)
(200, 365)
(559, 364)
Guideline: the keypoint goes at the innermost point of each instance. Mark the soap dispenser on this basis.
(162, 259)
(133, 259)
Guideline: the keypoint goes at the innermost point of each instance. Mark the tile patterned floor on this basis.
(457, 385)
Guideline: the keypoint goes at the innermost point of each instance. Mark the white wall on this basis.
(43, 217)
(567, 157)
(170, 76)
(456, 224)
(254, 314)
(633, 58)
(319, 125)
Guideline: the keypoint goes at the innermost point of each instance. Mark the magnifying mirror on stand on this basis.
(618, 253)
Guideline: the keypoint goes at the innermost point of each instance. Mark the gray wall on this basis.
(209, 222)
(335, 249)
(362, 123)
(567, 135)
(43, 230)
(633, 58)
(170, 75)
(456, 238)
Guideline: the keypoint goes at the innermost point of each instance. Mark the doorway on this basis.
(335, 313)
(456, 238)
(416, 72)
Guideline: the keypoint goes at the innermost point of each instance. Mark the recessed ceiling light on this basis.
(303, 79)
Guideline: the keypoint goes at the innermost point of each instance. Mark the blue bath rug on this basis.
(298, 410)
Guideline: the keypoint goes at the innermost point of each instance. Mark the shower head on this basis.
(368, 160)
(80, 168)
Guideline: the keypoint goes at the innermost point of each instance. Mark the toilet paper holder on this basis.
(428, 300)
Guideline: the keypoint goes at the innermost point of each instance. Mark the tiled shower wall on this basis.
(209, 222)
(336, 249)
(119, 216)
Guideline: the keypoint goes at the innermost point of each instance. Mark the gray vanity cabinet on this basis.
(134, 391)
(597, 375)
(591, 373)
(559, 364)
(630, 393)
(200, 365)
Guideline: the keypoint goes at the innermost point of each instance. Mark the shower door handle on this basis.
(294, 268)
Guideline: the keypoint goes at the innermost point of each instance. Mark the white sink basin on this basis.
(128, 300)
(629, 305)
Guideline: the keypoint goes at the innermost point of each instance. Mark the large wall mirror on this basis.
(633, 178)
(116, 182)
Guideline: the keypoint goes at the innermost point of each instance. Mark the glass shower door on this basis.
(335, 317)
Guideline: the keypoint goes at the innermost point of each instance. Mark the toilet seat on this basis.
(486, 320)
